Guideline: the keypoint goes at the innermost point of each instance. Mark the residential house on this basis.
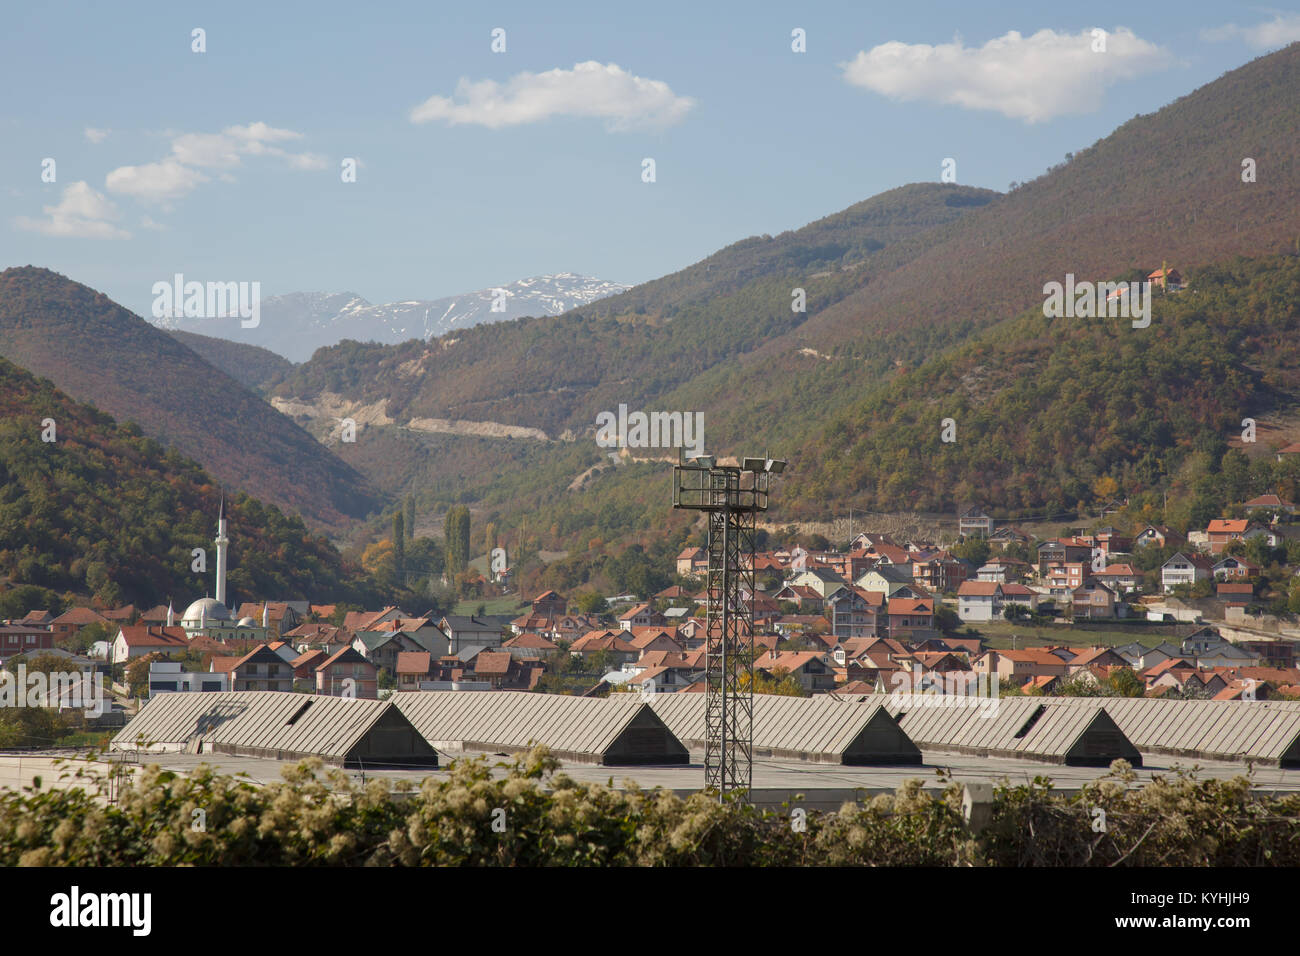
(1017, 667)
(1120, 578)
(73, 620)
(1094, 600)
(261, 669)
(1095, 657)
(167, 677)
(909, 614)
(319, 636)
(979, 601)
(550, 604)
(939, 571)
(642, 615)
(413, 669)
(140, 639)
(974, 522)
(692, 562)
(1063, 577)
(1006, 536)
(613, 644)
(305, 664)
(1169, 280)
(382, 647)
(1223, 531)
(22, 639)
(504, 672)
(1270, 504)
(654, 639)
(462, 632)
(1063, 551)
(815, 671)
(1002, 571)
(809, 600)
(823, 581)
(532, 647)
(856, 612)
(1019, 594)
(348, 674)
(278, 617)
(888, 580)
(1159, 536)
(1230, 568)
(1185, 568)
(369, 620)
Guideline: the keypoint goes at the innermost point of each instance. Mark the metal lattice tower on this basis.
(731, 496)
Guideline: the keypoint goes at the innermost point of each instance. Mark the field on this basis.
(1003, 635)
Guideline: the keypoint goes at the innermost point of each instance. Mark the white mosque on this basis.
(210, 616)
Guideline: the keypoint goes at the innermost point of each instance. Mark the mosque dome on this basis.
(245, 622)
(209, 608)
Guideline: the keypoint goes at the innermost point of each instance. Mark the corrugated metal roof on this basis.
(618, 729)
(1026, 727)
(809, 728)
(328, 727)
(1264, 730)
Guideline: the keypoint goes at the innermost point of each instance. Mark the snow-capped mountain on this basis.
(297, 324)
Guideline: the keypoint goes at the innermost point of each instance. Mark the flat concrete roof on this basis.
(825, 786)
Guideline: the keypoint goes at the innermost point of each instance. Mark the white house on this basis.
(167, 677)
(1184, 568)
(979, 600)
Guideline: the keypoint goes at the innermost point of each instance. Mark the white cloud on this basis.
(177, 174)
(590, 89)
(96, 135)
(1284, 28)
(155, 182)
(226, 149)
(1032, 78)
(81, 213)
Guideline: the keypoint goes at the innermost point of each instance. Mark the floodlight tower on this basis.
(731, 496)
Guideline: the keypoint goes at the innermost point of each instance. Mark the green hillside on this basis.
(105, 511)
(1046, 408)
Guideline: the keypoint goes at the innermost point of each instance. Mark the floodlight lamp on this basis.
(753, 464)
(775, 466)
(702, 461)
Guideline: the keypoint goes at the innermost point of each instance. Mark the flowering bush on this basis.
(535, 815)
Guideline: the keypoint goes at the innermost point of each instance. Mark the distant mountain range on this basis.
(297, 324)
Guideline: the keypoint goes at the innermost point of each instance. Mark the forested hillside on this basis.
(97, 351)
(250, 365)
(104, 511)
(1048, 411)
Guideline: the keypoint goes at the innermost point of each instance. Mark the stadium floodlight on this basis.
(753, 464)
(775, 466)
(702, 461)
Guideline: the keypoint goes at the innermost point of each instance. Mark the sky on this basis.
(495, 141)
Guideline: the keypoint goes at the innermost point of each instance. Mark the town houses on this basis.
(1100, 602)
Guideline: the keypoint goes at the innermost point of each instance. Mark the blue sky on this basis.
(225, 165)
